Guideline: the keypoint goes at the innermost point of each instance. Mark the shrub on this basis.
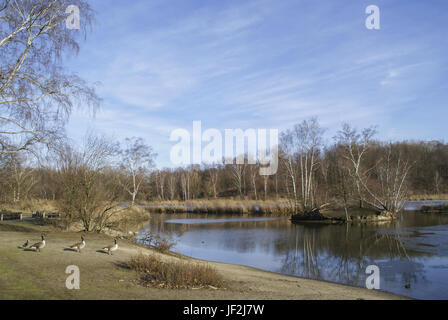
(158, 243)
(176, 274)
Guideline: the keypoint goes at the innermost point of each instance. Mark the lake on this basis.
(411, 252)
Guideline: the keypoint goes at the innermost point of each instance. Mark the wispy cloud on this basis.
(265, 64)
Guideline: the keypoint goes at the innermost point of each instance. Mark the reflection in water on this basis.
(317, 256)
(412, 252)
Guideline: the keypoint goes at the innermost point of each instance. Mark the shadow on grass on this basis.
(71, 250)
(104, 251)
(122, 265)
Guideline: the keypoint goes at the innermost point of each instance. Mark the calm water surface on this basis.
(412, 252)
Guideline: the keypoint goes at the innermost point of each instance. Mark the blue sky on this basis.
(265, 64)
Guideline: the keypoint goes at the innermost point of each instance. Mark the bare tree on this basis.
(343, 179)
(287, 156)
(89, 190)
(253, 173)
(160, 182)
(214, 178)
(309, 135)
(185, 184)
(265, 186)
(21, 177)
(356, 146)
(437, 182)
(194, 182)
(172, 185)
(238, 175)
(388, 191)
(213, 171)
(137, 159)
(392, 172)
(36, 95)
(300, 153)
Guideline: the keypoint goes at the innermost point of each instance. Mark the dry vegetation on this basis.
(417, 197)
(28, 206)
(222, 206)
(129, 218)
(174, 274)
(158, 243)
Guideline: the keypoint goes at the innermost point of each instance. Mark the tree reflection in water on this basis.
(319, 253)
(410, 252)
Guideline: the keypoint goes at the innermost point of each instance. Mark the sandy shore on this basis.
(34, 275)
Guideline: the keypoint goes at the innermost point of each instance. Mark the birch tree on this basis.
(137, 158)
(160, 183)
(392, 172)
(253, 173)
(21, 177)
(300, 152)
(387, 192)
(172, 184)
(356, 146)
(212, 171)
(265, 186)
(238, 176)
(36, 94)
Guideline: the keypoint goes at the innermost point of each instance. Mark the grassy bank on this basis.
(123, 218)
(27, 207)
(33, 275)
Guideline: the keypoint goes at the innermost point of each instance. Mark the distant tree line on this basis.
(355, 169)
(89, 182)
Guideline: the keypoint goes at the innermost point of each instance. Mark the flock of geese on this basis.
(76, 247)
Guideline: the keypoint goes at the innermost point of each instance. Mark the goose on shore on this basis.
(39, 245)
(111, 248)
(25, 245)
(80, 245)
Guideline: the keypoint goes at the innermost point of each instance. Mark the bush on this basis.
(175, 275)
(158, 243)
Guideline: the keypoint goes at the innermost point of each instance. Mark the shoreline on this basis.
(31, 275)
(323, 282)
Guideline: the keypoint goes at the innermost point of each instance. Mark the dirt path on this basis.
(33, 275)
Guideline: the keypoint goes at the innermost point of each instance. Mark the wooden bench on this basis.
(45, 215)
(10, 216)
(52, 215)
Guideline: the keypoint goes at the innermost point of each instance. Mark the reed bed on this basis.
(417, 197)
(237, 207)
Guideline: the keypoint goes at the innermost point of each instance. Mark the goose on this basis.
(39, 245)
(23, 246)
(111, 248)
(80, 245)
